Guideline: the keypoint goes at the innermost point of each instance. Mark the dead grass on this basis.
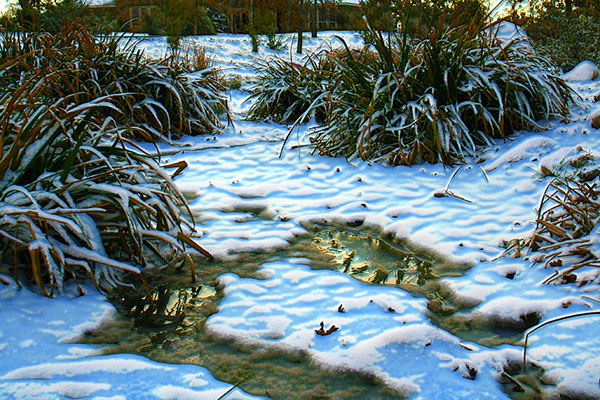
(568, 212)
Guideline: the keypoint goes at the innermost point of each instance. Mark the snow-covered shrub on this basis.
(439, 98)
(286, 90)
(436, 99)
(275, 42)
(195, 58)
(77, 198)
(164, 99)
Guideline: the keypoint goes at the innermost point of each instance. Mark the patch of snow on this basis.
(508, 31)
(170, 392)
(584, 71)
(71, 390)
(70, 369)
(532, 147)
(39, 371)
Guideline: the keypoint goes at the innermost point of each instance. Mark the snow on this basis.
(233, 53)
(48, 367)
(506, 30)
(532, 147)
(584, 71)
(100, 3)
(249, 199)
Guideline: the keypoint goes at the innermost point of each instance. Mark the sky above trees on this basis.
(3, 5)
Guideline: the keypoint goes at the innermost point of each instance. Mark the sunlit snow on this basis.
(383, 330)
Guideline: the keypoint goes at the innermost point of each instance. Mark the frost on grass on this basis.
(406, 101)
(79, 199)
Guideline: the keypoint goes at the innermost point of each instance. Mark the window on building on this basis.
(327, 17)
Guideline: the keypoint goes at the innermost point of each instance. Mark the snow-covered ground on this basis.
(238, 175)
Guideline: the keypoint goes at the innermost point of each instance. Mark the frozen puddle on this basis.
(387, 332)
(276, 371)
(382, 331)
(375, 259)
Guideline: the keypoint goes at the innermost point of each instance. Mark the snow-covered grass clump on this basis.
(406, 100)
(78, 197)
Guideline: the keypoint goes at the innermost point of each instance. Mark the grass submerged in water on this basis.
(165, 335)
(172, 328)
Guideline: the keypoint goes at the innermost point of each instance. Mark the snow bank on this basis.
(33, 350)
(584, 71)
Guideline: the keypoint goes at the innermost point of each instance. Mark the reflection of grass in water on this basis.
(375, 259)
(372, 259)
(171, 328)
(149, 330)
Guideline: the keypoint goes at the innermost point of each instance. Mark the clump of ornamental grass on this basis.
(285, 90)
(567, 215)
(275, 42)
(234, 82)
(78, 198)
(438, 98)
(164, 99)
(195, 58)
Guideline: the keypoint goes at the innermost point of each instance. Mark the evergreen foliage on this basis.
(567, 36)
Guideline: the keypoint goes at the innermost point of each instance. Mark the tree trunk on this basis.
(28, 14)
(196, 17)
(313, 18)
(288, 14)
(568, 7)
(300, 26)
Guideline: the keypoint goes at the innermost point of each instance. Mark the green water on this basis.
(376, 259)
(170, 328)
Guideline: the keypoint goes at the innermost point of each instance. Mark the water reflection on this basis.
(166, 323)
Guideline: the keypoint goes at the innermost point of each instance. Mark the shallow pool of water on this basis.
(168, 326)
